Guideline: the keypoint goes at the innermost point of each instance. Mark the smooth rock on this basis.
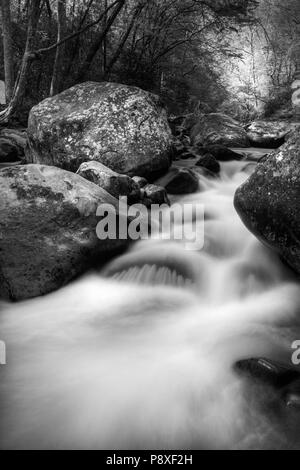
(269, 201)
(209, 162)
(221, 153)
(180, 181)
(48, 229)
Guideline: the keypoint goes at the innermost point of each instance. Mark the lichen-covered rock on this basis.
(269, 134)
(269, 201)
(114, 183)
(123, 127)
(218, 129)
(47, 229)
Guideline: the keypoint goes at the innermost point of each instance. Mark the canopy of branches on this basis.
(194, 53)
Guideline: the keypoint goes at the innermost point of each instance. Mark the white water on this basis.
(109, 363)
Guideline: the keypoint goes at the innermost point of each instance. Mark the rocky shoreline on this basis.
(96, 142)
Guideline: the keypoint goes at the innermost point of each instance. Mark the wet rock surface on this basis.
(268, 202)
(180, 181)
(209, 162)
(221, 153)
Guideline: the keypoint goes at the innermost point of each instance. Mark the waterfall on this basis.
(142, 354)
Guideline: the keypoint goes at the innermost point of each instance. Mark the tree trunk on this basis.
(58, 68)
(296, 82)
(124, 39)
(7, 49)
(21, 82)
(98, 42)
(105, 39)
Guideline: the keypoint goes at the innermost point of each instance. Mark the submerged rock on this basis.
(218, 129)
(269, 134)
(283, 379)
(123, 127)
(267, 371)
(292, 395)
(114, 183)
(48, 229)
(268, 202)
(221, 153)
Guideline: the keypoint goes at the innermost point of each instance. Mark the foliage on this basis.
(176, 48)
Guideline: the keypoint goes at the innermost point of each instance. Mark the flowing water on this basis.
(141, 355)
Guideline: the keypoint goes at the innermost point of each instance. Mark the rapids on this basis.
(140, 355)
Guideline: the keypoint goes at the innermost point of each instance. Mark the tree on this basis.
(99, 39)
(34, 10)
(20, 84)
(162, 46)
(58, 68)
(7, 49)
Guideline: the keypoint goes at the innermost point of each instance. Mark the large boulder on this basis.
(123, 127)
(269, 134)
(218, 129)
(115, 184)
(269, 201)
(47, 229)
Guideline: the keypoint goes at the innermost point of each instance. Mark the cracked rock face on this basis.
(269, 201)
(122, 127)
(47, 229)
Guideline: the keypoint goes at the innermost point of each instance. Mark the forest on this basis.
(150, 227)
(233, 56)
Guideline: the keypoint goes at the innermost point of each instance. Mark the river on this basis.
(140, 355)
